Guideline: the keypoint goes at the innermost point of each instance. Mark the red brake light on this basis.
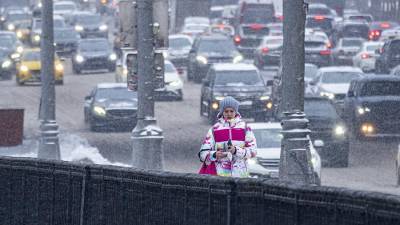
(325, 52)
(265, 50)
(279, 17)
(319, 17)
(385, 25)
(365, 56)
(329, 45)
(256, 26)
(237, 39)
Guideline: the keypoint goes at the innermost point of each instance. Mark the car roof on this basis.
(317, 5)
(373, 77)
(340, 69)
(112, 85)
(259, 126)
(355, 22)
(233, 67)
(214, 37)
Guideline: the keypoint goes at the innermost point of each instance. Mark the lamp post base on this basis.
(147, 151)
(49, 147)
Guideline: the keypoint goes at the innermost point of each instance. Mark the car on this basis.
(377, 27)
(372, 107)
(345, 50)
(269, 52)
(210, 49)
(269, 144)
(350, 29)
(275, 29)
(22, 30)
(333, 82)
(241, 81)
(10, 43)
(194, 30)
(65, 41)
(222, 29)
(111, 105)
(358, 17)
(7, 66)
(248, 37)
(178, 50)
(317, 51)
(94, 54)
(388, 56)
(326, 124)
(321, 34)
(13, 19)
(29, 68)
(89, 24)
(173, 84)
(390, 34)
(320, 9)
(36, 28)
(366, 57)
(320, 22)
(259, 12)
(64, 8)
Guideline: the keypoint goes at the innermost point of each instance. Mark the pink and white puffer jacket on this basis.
(242, 138)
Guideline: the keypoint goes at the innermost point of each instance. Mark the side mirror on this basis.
(206, 82)
(87, 98)
(270, 83)
(319, 143)
(350, 94)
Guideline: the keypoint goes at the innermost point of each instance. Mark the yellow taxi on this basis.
(28, 69)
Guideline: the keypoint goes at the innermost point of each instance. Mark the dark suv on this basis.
(389, 56)
(372, 106)
(350, 29)
(326, 125)
(208, 50)
(241, 81)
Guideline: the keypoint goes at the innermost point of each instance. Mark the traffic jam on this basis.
(352, 69)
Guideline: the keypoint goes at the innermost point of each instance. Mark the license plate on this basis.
(246, 103)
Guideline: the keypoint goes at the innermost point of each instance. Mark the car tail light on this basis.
(365, 56)
(256, 26)
(279, 17)
(325, 52)
(237, 39)
(265, 50)
(374, 34)
(329, 45)
(319, 17)
(385, 25)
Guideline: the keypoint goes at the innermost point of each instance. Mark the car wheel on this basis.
(93, 127)
(180, 96)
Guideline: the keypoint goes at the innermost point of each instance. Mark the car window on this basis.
(258, 13)
(217, 46)
(115, 93)
(179, 43)
(169, 68)
(339, 77)
(381, 88)
(319, 108)
(351, 43)
(88, 19)
(268, 138)
(94, 45)
(356, 31)
(238, 78)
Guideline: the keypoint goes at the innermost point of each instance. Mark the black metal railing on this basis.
(47, 192)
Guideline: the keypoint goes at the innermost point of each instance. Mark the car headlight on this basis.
(112, 57)
(20, 34)
(264, 98)
(327, 95)
(215, 105)
(103, 27)
(100, 111)
(363, 110)
(24, 68)
(340, 130)
(125, 72)
(59, 67)
(367, 128)
(175, 83)
(165, 54)
(269, 105)
(20, 49)
(219, 98)
(10, 27)
(252, 161)
(201, 59)
(78, 28)
(237, 59)
(2, 18)
(79, 59)
(15, 56)
(6, 64)
(36, 37)
(39, 5)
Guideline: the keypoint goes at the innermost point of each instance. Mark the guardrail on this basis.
(47, 192)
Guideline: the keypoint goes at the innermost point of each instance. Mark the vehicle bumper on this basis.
(247, 52)
(367, 65)
(108, 121)
(319, 60)
(179, 62)
(34, 76)
(344, 60)
(166, 93)
(94, 64)
(268, 60)
(385, 128)
(86, 34)
(65, 49)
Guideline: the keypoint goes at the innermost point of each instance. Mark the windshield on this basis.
(31, 56)
(372, 48)
(319, 11)
(225, 47)
(18, 16)
(268, 138)
(238, 78)
(93, 46)
(325, 24)
(339, 77)
(88, 19)
(115, 93)
(381, 88)
(319, 108)
(60, 7)
(179, 43)
(313, 44)
(258, 14)
(356, 31)
(351, 43)
(310, 71)
(6, 42)
(65, 34)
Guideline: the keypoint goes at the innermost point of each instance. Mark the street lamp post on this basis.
(48, 144)
(295, 165)
(147, 137)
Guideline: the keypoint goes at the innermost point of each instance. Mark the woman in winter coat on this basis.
(229, 143)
